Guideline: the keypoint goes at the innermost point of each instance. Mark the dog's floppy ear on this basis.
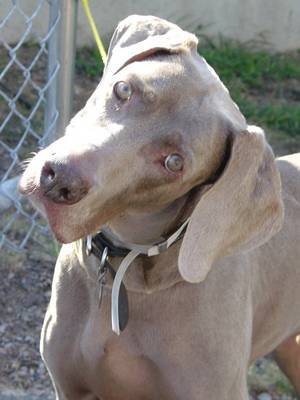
(137, 37)
(242, 210)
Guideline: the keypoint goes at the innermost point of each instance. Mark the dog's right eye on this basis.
(123, 90)
(174, 163)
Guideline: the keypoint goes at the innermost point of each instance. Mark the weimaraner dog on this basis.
(200, 231)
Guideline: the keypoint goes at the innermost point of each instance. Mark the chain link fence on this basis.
(28, 108)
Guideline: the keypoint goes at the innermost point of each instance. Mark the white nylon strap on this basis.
(157, 249)
(154, 250)
(116, 289)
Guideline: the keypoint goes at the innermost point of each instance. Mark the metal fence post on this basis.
(51, 111)
(67, 49)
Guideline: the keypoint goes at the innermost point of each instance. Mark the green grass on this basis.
(252, 67)
(283, 118)
(89, 62)
(268, 377)
(266, 86)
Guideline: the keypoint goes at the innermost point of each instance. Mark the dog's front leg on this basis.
(61, 366)
(62, 326)
(287, 356)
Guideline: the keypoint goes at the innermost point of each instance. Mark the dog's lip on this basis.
(54, 217)
(53, 213)
(60, 217)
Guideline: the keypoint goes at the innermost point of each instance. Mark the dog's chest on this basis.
(148, 359)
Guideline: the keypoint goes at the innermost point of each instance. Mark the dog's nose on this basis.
(62, 183)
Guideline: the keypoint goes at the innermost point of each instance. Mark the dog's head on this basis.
(160, 123)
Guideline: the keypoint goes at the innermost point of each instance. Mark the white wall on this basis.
(277, 20)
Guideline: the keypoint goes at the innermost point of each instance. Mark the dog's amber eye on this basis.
(174, 163)
(123, 90)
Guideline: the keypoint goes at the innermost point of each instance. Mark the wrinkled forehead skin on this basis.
(139, 36)
(178, 105)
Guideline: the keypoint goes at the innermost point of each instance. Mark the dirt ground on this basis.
(25, 287)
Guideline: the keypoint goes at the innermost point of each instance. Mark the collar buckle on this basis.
(158, 248)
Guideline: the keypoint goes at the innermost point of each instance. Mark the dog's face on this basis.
(150, 132)
(158, 124)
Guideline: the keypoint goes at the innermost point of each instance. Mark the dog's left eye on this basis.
(123, 90)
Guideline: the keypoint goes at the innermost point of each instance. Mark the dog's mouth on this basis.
(56, 216)
(66, 223)
(71, 221)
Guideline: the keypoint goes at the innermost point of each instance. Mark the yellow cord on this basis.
(94, 30)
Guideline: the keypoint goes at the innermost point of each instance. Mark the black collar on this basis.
(100, 242)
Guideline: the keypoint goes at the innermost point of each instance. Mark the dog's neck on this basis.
(146, 228)
(148, 274)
